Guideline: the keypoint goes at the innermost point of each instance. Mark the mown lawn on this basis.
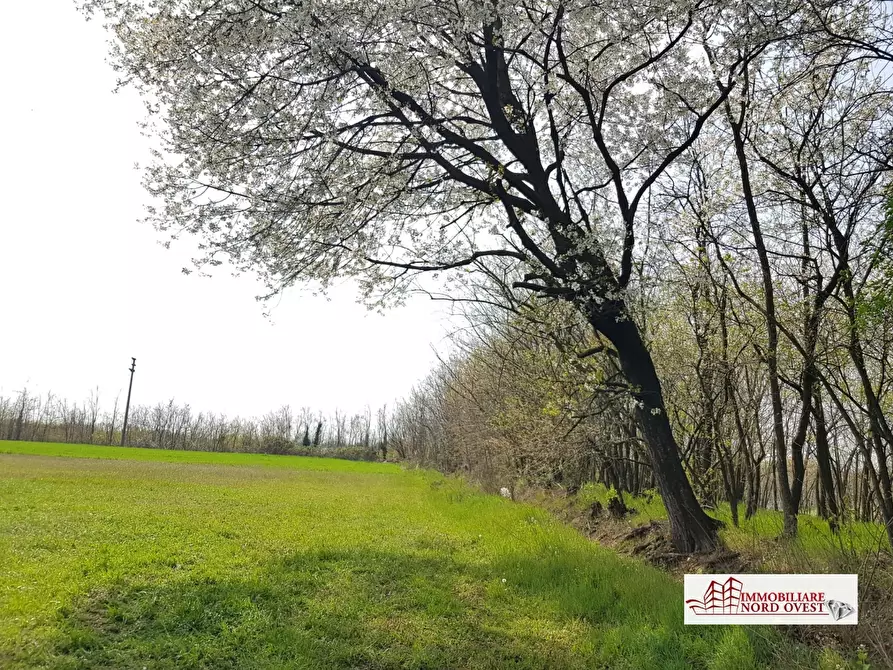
(149, 559)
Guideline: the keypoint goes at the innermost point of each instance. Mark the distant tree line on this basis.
(169, 425)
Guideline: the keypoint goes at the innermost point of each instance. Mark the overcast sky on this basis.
(84, 286)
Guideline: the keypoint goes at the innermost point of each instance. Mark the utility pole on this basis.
(132, 369)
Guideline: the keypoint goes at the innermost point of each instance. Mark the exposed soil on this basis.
(652, 544)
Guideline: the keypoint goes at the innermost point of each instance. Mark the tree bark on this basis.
(828, 501)
(691, 529)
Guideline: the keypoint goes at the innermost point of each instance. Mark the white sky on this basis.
(84, 286)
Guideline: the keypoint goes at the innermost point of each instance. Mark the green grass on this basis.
(815, 547)
(151, 559)
(215, 458)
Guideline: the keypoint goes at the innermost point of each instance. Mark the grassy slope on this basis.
(151, 562)
(814, 549)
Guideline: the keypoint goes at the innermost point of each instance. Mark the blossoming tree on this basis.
(380, 140)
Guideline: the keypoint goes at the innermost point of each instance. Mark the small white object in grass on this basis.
(505, 493)
(503, 580)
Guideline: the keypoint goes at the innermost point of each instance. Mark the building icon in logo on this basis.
(718, 598)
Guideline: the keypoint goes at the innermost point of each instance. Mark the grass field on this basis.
(129, 558)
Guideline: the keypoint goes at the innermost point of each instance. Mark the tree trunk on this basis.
(728, 479)
(880, 429)
(870, 477)
(20, 419)
(783, 486)
(830, 509)
(753, 496)
(690, 527)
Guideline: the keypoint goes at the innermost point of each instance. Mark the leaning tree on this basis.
(380, 140)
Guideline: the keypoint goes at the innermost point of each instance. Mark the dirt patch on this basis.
(651, 542)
